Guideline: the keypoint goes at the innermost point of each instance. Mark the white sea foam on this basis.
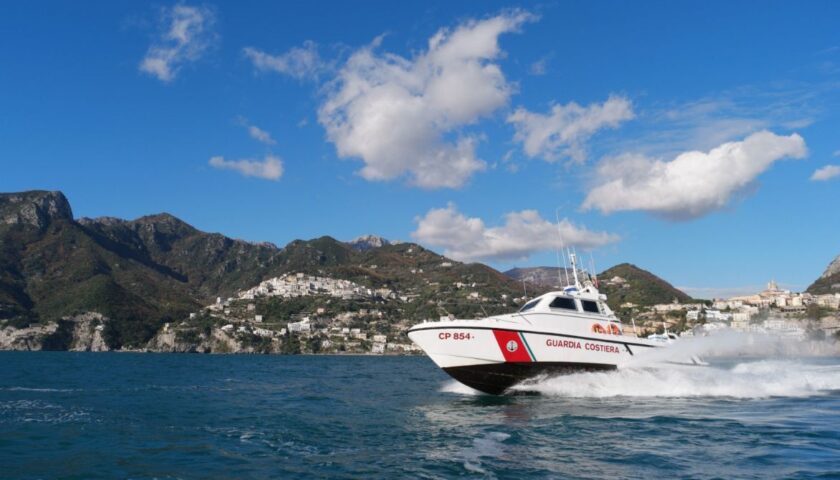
(40, 390)
(489, 445)
(754, 379)
(454, 386)
(729, 343)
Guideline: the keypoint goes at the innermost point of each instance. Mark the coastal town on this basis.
(773, 310)
(336, 316)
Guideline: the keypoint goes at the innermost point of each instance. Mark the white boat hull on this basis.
(492, 358)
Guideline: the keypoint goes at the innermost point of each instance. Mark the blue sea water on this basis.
(123, 415)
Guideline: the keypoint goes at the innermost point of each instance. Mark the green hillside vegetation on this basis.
(641, 287)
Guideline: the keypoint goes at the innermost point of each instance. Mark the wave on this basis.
(39, 390)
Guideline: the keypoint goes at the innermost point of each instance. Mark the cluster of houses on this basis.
(773, 310)
(782, 300)
(336, 338)
(333, 332)
(301, 285)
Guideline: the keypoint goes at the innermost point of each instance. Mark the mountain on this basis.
(633, 284)
(53, 267)
(367, 242)
(829, 281)
(140, 274)
(207, 264)
(551, 277)
(628, 283)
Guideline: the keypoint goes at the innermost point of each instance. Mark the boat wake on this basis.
(753, 379)
(454, 386)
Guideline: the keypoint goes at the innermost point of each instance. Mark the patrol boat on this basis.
(560, 332)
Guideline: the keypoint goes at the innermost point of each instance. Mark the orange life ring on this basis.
(597, 328)
(614, 329)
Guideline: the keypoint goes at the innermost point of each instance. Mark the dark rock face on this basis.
(37, 208)
(546, 276)
(367, 242)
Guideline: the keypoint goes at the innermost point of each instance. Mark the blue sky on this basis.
(696, 140)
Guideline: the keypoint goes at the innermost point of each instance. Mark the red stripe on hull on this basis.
(511, 346)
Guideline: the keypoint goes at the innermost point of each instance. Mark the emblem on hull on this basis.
(512, 346)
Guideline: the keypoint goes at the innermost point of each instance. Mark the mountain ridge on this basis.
(155, 269)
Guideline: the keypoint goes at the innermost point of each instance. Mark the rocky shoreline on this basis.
(85, 333)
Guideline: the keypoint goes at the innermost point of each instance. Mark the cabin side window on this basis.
(563, 303)
(529, 305)
(590, 306)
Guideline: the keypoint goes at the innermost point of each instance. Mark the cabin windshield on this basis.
(590, 306)
(564, 303)
(529, 305)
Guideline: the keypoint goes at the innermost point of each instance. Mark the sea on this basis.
(145, 415)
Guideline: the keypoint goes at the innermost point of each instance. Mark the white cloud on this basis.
(299, 62)
(395, 113)
(260, 135)
(256, 132)
(692, 184)
(564, 131)
(539, 68)
(270, 168)
(186, 34)
(522, 234)
(826, 173)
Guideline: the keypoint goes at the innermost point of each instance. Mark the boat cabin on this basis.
(566, 301)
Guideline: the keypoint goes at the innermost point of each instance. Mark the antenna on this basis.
(562, 245)
(567, 253)
(573, 256)
(592, 271)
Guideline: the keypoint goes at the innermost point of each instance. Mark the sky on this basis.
(697, 140)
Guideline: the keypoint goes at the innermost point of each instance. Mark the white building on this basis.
(668, 307)
(302, 326)
(717, 316)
